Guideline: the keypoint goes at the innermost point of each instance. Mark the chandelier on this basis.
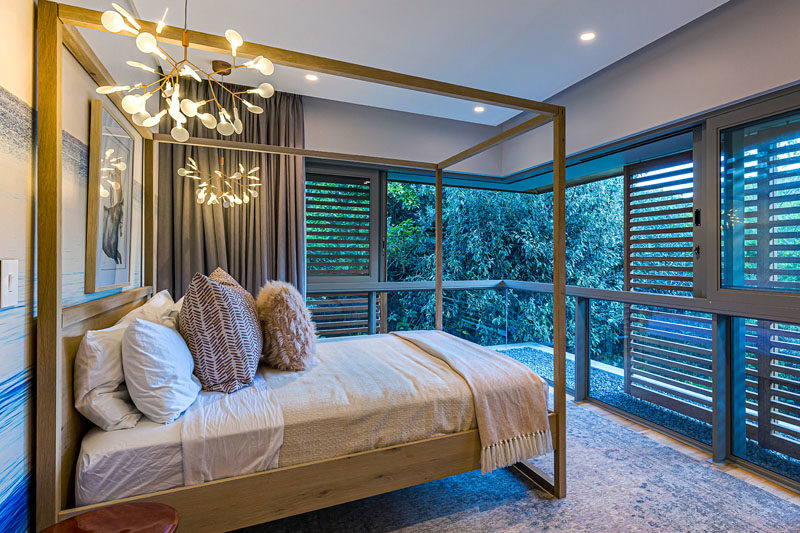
(168, 85)
(218, 188)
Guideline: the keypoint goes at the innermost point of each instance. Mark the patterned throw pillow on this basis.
(219, 322)
(290, 339)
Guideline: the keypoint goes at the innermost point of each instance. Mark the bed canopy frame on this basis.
(263, 496)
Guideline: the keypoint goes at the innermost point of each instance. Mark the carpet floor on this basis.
(617, 480)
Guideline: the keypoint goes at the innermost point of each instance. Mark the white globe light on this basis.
(112, 21)
(146, 43)
(265, 66)
(225, 128)
(208, 120)
(189, 108)
(133, 103)
(235, 39)
(140, 117)
(237, 123)
(108, 89)
(265, 90)
(154, 120)
(175, 112)
(180, 134)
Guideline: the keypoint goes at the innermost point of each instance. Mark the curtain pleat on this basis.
(255, 242)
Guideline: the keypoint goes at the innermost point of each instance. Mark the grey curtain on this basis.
(255, 242)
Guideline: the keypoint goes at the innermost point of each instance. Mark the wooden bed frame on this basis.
(255, 498)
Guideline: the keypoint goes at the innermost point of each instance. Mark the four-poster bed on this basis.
(254, 498)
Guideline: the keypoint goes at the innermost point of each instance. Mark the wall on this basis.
(17, 241)
(77, 90)
(357, 129)
(16, 216)
(742, 49)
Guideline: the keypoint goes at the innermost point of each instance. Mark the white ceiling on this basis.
(527, 48)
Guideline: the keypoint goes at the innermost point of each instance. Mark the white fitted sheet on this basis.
(365, 393)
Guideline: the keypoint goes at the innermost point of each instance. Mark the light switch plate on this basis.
(9, 282)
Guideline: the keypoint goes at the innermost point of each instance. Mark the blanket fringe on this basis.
(507, 452)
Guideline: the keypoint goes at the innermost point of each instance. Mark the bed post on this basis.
(149, 228)
(49, 357)
(439, 253)
(559, 303)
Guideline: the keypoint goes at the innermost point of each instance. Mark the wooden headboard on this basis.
(75, 322)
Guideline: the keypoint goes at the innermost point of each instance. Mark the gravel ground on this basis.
(608, 388)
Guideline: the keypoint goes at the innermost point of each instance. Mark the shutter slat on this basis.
(338, 227)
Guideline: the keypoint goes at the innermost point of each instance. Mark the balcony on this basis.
(726, 384)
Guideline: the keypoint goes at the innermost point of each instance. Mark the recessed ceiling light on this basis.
(479, 109)
(312, 77)
(588, 36)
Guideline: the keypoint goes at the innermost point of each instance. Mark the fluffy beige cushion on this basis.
(290, 339)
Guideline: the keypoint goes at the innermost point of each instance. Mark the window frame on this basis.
(629, 171)
(737, 300)
(314, 170)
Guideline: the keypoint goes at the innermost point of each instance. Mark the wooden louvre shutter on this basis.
(338, 240)
(337, 226)
(658, 225)
(769, 166)
(338, 315)
(771, 214)
(667, 351)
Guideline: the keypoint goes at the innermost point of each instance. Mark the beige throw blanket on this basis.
(510, 400)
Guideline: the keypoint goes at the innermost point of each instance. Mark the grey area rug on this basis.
(617, 480)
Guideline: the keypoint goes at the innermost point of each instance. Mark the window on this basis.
(341, 246)
(338, 226)
(667, 351)
(659, 198)
(760, 205)
(766, 368)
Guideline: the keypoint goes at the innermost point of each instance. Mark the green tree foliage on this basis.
(496, 235)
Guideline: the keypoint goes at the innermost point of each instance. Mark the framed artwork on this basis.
(109, 203)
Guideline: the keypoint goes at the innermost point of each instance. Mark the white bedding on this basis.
(365, 393)
(224, 435)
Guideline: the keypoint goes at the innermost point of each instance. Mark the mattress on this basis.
(365, 393)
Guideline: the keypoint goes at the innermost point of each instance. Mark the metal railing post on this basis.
(720, 388)
(372, 304)
(583, 308)
(505, 295)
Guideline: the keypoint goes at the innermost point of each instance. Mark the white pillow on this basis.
(155, 309)
(158, 370)
(170, 319)
(100, 393)
(99, 382)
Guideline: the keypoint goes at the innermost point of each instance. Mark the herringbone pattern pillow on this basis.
(219, 322)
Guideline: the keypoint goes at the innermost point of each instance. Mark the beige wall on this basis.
(742, 49)
(78, 89)
(356, 129)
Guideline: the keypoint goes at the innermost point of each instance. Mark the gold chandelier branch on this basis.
(219, 188)
(180, 110)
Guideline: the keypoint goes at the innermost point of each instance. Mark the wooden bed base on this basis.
(264, 496)
(256, 498)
